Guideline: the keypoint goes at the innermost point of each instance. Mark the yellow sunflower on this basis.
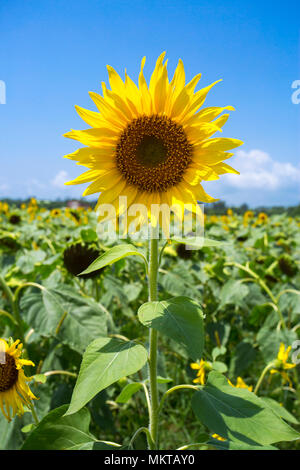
(152, 143)
(241, 384)
(203, 367)
(14, 390)
(281, 364)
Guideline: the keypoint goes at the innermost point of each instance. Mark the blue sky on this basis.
(52, 52)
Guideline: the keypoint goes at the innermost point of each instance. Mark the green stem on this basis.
(274, 300)
(173, 389)
(60, 372)
(34, 415)
(8, 315)
(146, 431)
(261, 378)
(154, 405)
(14, 307)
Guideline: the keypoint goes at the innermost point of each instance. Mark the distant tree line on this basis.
(218, 208)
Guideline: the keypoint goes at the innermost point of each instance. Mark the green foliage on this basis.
(105, 361)
(179, 318)
(85, 336)
(238, 415)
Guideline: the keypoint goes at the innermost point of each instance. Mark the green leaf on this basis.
(237, 414)
(105, 361)
(180, 318)
(236, 445)
(59, 432)
(244, 355)
(218, 351)
(279, 410)
(269, 341)
(28, 428)
(219, 366)
(164, 380)
(10, 433)
(128, 391)
(61, 312)
(180, 282)
(113, 255)
(199, 242)
(39, 378)
(233, 292)
(88, 235)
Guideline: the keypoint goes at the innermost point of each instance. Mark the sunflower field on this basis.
(226, 315)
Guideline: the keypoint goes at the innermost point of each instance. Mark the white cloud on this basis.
(259, 171)
(262, 181)
(60, 179)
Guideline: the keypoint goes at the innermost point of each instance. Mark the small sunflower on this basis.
(203, 367)
(78, 257)
(219, 438)
(55, 213)
(241, 384)
(152, 143)
(281, 364)
(14, 390)
(262, 218)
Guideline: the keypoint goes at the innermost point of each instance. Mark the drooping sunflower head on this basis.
(152, 143)
(78, 257)
(14, 219)
(14, 390)
(184, 252)
(287, 265)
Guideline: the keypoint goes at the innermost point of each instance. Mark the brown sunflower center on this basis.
(153, 153)
(8, 373)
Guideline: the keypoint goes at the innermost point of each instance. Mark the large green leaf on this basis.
(59, 432)
(239, 415)
(113, 255)
(179, 318)
(61, 312)
(105, 361)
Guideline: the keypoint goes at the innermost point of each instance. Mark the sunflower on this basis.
(262, 218)
(281, 364)
(287, 265)
(78, 257)
(15, 219)
(55, 213)
(203, 367)
(152, 143)
(241, 384)
(14, 390)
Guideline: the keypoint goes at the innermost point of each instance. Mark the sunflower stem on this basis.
(34, 415)
(152, 283)
(262, 376)
(16, 314)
